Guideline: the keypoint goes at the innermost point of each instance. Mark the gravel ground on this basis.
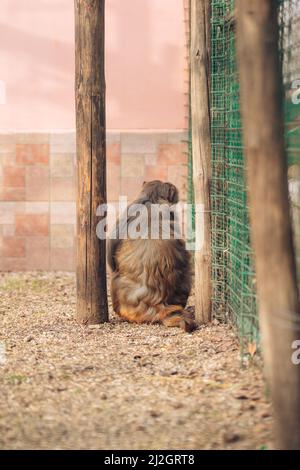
(119, 386)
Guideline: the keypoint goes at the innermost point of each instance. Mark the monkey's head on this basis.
(158, 192)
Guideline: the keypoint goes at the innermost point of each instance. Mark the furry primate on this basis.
(151, 278)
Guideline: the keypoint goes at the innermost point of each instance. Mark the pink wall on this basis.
(144, 64)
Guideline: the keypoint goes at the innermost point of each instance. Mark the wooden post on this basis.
(200, 107)
(271, 232)
(91, 159)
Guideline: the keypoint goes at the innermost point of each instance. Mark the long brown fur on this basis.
(151, 279)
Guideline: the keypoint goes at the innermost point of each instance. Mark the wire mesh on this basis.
(190, 187)
(289, 27)
(233, 274)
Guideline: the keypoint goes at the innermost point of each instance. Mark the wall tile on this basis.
(13, 177)
(178, 174)
(62, 259)
(113, 137)
(7, 159)
(63, 212)
(151, 159)
(140, 142)
(177, 137)
(113, 181)
(131, 187)
(13, 264)
(7, 143)
(37, 183)
(62, 236)
(132, 165)
(40, 211)
(12, 194)
(37, 253)
(13, 247)
(63, 142)
(62, 189)
(32, 137)
(62, 165)
(8, 230)
(32, 154)
(158, 172)
(7, 212)
(113, 153)
(32, 224)
(34, 207)
(172, 154)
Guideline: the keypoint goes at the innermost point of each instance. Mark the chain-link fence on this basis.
(289, 22)
(233, 274)
(233, 277)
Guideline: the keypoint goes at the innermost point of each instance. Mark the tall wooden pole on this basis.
(271, 232)
(91, 159)
(200, 108)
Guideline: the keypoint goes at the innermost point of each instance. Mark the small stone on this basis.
(251, 407)
(265, 414)
(180, 421)
(177, 405)
(241, 396)
(141, 428)
(29, 338)
(155, 414)
(88, 368)
(168, 373)
(254, 397)
(94, 327)
(165, 373)
(144, 363)
(230, 437)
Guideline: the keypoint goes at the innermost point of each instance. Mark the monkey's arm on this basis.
(111, 249)
(114, 240)
(119, 232)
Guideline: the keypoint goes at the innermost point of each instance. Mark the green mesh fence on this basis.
(289, 22)
(234, 284)
(233, 277)
(190, 189)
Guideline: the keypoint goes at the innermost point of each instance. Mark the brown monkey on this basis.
(151, 278)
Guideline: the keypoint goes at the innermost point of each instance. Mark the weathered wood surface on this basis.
(91, 159)
(201, 139)
(271, 232)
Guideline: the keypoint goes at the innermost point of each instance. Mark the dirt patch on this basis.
(119, 386)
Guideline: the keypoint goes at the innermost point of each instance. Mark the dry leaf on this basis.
(251, 349)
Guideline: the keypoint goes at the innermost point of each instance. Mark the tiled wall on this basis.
(37, 189)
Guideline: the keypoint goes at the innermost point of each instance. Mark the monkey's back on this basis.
(151, 272)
